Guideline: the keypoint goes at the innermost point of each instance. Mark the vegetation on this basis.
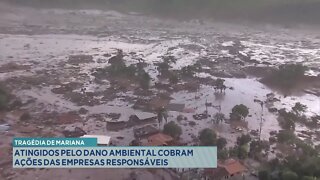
(287, 119)
(173, 78)
(208, 137)
(219, 85)
(172, 129)
(221, 143)
(302, 162)
(240, 152)
(118, 68)
(223, 154)
(163, 68)
(287, 75)
(187, 71)
(162, 114)
(218, 118)
(256, 147)
(3, 99)
(144, 80)
(285, 136)
(299, 108)
(239, 112)
(243, 139)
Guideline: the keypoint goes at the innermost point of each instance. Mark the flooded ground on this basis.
(35, 64)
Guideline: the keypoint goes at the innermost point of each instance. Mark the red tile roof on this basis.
(159, 139)
(232, 166)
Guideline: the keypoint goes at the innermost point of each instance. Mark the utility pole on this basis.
(261, 116)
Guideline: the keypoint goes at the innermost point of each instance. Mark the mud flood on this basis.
(48, 64)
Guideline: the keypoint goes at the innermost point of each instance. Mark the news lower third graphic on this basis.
(85, 153)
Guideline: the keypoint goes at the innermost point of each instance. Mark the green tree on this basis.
(163, 68)
(264, 175)
(239, 112)
(299, 108)
(287, 75)
(145, 81)
(242, 152)
(243, 139)
(308, 178)
(256, 147)
(173, 78)
(221, 143)
(285, 136)
(219, 117)
(289, 175)
(3, 99)
(172, 129)
(208, 137)
(187, 71)
(223, 154)
(219, 85)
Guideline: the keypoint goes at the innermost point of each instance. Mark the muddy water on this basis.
(61, 33)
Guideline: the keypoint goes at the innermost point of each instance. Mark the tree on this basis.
(308, 178)
(257, 146)
(243, 139)
(172, 129)
(219, 85)
(162, 114)
(285, 136)
(187, 71)
(239, 112)
(299, 108)
(208, 137)
(145, 81)
(264, 175)
(289, 175)
(173, 78)
(223, 154)
(242, 152)
(219, 117)
(3, 99)
(163, 68)
(287, 119)
(221, 143)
